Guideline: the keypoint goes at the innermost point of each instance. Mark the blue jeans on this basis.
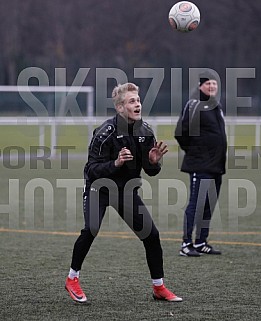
(204, 192)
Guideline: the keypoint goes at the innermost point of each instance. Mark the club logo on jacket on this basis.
(141, 139)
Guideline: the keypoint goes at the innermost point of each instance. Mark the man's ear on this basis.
(119, 108)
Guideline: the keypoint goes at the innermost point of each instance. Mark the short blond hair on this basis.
(119, 92)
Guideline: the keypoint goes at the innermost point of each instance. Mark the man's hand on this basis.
(124, 156)
(156, 153)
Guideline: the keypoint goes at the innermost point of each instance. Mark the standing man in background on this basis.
(201, 134)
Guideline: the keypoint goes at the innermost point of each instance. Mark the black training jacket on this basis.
(200, 132)
(108, 140)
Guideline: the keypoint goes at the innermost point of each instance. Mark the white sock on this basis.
(157, 282)
(73, 274)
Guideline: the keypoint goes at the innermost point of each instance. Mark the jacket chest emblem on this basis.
(141, 139)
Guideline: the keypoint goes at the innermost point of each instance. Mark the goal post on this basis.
(44, 105)
(26, 96)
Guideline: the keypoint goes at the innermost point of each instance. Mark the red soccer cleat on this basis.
(74, 289)
(162, 293)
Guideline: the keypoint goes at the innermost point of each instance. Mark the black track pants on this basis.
(132, 209)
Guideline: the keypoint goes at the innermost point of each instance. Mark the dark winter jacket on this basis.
(200, 132)
(108, 140)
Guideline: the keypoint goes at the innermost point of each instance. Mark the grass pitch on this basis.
(116, 280)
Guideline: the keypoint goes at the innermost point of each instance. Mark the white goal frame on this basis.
(52, 121)
(89, 90)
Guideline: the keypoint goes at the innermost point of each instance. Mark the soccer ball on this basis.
(184, 16)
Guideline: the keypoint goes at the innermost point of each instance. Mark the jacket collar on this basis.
(125, 128)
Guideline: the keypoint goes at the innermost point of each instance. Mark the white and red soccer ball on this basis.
(184, 16)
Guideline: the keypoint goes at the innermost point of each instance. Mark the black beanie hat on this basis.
(206, 76)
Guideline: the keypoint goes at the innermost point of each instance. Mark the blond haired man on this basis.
(120, 148)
